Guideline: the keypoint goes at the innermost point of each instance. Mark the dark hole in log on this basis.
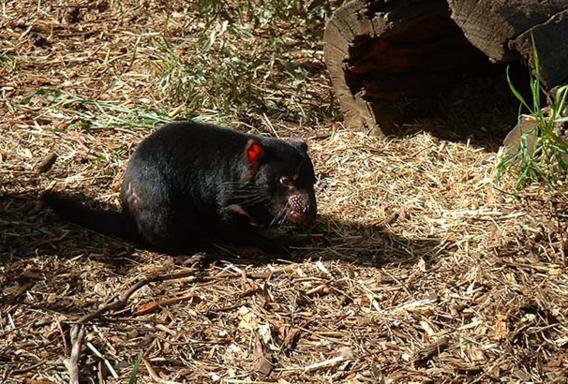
(403, 64)
(430, 70)
(481, 105)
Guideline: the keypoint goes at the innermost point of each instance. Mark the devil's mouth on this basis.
(296, 215)
(300, 218)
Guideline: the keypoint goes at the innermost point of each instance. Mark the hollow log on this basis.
(502, 30)
(390, 61)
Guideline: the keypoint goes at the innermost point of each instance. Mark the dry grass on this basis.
(419, 266)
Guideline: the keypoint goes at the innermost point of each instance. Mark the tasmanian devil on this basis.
(191, 181)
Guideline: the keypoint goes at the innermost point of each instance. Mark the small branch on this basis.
(103, 358)
(387, 220)
(71, 363)
(123, 299)
(345, 354)
(77, 331)
(431, 350)
(154, 375)
(154, 306)
(27, 369)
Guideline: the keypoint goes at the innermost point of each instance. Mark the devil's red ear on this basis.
(254, 151)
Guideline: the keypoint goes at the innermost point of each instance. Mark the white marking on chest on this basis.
(131, 196)
(238, 209)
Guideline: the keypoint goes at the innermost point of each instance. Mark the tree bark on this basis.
(502, 30)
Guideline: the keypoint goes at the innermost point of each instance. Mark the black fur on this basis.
(190, 181)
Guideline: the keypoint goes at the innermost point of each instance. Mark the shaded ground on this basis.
(419, 265)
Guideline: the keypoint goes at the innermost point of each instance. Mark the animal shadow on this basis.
(347, 241)
(28, 229)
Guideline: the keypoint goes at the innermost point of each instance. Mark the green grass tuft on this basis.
(242, 62)
(542, 154)
(134, 375)
(93, 114)
(227, 62)
(214, 76)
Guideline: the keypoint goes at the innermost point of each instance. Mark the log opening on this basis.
(396, 61)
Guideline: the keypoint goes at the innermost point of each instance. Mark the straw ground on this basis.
(419, 269)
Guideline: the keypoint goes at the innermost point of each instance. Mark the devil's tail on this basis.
(106, 222)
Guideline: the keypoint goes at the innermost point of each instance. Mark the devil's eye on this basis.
(285, 180)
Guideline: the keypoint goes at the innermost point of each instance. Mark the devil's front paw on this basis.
(273, 246)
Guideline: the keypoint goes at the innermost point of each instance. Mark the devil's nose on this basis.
(300, 202)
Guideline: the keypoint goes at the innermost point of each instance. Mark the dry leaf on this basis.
(262, 364)
(501, 327)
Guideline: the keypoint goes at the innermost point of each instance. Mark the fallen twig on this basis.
(431, 350)
(71, 363)
(387, 220)
(154, 306)
(104, 359)
(154, 375)
(123, 299)
(345, 354)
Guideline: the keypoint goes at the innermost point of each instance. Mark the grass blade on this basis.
(134, 375)
(515, 92)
